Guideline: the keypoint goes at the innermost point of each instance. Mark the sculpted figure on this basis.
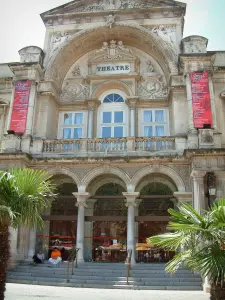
(150, 66)
(162, 33)
(110, 20)
(76, 71)
(123, 48)
(105, 47)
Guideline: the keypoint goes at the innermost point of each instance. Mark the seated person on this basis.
(55, 256)
(39, 258)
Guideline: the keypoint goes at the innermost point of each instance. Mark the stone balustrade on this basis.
(112, 145)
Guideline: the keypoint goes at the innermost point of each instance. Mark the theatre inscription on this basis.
(119, 68)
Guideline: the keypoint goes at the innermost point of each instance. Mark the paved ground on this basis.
(26, 292)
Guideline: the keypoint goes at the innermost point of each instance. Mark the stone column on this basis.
(192, 132)
(81, 204)
(131, 204)
(31, 245)
(23, 242)
(132, 104)
(136, 225)
(13, 246)
(88, 230)
(90, 123)
(92, 105)
(199, 190)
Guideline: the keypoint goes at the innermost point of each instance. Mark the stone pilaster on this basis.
(131, 203)
(199, 199)
(92, 106)
(31, 108)
(31, 244)
(220, 184)
(192, 132)
(212, 101)
(81, 204)
(132, 102)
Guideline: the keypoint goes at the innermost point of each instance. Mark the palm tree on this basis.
(199, 243)
(24, 194)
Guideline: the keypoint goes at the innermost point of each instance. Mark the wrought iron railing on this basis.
(72, 259)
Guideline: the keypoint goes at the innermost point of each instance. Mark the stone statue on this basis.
(76, 71)
(123, 48)
(110, 20)
(150, 67)
(165, 33)
(105, 46)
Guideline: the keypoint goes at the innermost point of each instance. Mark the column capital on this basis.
(131, 198)
(183, 197)
(198, 174)
(92, 104)
(132, 101)
(81, 198)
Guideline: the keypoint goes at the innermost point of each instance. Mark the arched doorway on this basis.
(109, 219)
(60, 219)
(156, 192)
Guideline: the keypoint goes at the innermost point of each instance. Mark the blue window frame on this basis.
(112, 98)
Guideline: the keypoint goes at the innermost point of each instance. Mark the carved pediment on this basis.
(109, 5)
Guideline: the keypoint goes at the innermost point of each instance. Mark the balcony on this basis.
(139, 146)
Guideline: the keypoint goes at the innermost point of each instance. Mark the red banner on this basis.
(201, 100)
(20, 106)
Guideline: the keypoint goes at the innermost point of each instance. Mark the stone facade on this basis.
(133, 49)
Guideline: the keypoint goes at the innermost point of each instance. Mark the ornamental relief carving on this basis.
(152, 88)
(57, 39)
(166, 33)
(74, 91)
(112, 51)
(102, 5)
(57, 68)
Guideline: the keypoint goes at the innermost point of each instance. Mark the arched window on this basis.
(113, 115)
(113, 98)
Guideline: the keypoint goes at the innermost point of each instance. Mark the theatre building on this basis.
(128, 117)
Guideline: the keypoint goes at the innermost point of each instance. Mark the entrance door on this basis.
(109, 241)
(110, 224)
(153, 220)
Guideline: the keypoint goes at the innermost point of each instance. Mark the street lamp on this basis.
(211, 186)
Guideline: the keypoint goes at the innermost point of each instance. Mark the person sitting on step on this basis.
(55, 256)
(39, 258)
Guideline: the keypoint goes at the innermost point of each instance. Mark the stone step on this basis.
(115, 286)
(63, 269)
(107, 275)
(103, 276)
(107, 281)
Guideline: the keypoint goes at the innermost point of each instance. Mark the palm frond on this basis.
(26, 192)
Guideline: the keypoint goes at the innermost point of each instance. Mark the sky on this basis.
(21, 25)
